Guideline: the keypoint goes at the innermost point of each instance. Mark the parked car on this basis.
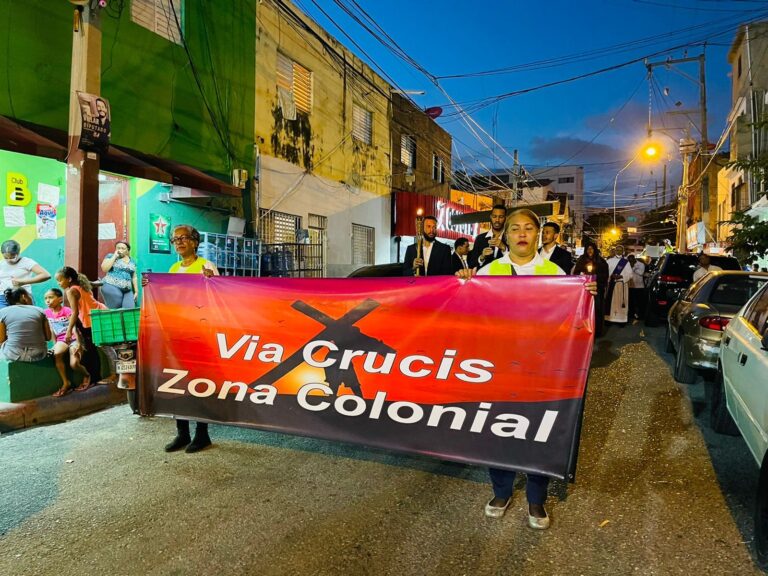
(378, 271)
(673, 275)
(740, 397)
(696, 321)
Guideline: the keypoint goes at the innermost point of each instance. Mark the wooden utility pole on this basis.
(81, 238)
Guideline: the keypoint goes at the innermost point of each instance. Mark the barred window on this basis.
(565, 180)
(362, 124)
(297, 80)
(363, 247)
(408, 150)
(163, 17)
(278, 227)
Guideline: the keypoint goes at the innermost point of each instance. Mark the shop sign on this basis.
(17, 190)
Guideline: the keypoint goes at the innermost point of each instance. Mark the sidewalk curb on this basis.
(14, 416)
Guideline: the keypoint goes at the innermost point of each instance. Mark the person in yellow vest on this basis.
(185, 240)
(521, 233)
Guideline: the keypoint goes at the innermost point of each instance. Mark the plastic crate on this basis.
(115, 326)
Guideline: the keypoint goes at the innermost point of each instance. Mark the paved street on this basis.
(656, 493)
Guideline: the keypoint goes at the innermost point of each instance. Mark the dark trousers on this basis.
(182, 429)
(504, 482)
(636, 303)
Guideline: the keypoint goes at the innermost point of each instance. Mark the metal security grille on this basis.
(362, 125)
(315, 257)
(158, 16)
(408, 150)
(363, 247)
(278, 226)
(293, 77)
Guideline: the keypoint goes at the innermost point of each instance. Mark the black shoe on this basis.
(198, 444)
(177, 444)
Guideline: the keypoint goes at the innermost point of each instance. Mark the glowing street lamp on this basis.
(650, 151)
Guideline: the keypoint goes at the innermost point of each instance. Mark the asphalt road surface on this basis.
(656, 492)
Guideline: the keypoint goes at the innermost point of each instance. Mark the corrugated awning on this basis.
(48, 142)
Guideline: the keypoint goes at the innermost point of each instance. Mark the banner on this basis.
(488, 371)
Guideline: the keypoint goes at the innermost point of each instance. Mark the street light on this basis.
(650, 151)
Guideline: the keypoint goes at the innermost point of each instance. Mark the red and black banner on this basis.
(488, 371)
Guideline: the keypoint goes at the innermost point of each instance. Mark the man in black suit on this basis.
(490, 245)
(459, 256)
(551, 251)
(435, 256)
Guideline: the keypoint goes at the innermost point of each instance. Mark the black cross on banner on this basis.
(341, 332)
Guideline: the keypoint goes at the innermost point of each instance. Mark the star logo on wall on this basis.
(160, 226)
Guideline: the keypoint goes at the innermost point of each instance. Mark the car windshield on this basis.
(725, 262)
(735, 290)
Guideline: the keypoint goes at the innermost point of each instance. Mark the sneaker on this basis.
(496, 511)
(177, 443)
(198, 444)
(538, 523)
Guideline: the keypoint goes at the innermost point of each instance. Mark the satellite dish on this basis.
(433, 112)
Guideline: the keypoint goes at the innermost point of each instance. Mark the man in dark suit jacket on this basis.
(551, 251)
(490, 245)
(459, 256)
(436, 254)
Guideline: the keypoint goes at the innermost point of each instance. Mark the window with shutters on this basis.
(408, 150)
(362, 125)
(297, 80)
(163, 17)
(362, 245)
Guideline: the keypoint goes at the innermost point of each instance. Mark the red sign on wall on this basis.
(407, 203)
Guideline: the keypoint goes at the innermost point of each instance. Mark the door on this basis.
(745, 365)
(113, 213)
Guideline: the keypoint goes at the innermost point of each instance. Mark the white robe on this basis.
(616, 310)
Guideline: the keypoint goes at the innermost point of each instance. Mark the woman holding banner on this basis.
(521, 232)
(185, 240)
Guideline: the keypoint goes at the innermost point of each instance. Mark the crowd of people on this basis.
(62, 329)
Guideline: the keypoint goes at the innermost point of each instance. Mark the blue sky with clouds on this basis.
(596, 121)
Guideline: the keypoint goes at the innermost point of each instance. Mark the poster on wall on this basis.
(96, 117)
(159, 234)
(46, 221)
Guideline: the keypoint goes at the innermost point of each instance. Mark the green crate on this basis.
(115, 326)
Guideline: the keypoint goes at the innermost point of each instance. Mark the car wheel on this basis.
(683, 373)
(668, 347)
(719, 417)
(761, 516)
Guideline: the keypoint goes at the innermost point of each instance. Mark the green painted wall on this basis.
(145, 197)
(48, 253)
(159, 106)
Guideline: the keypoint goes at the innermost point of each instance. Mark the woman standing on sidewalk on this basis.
(185, 240)
(521, 233)
(119, 286)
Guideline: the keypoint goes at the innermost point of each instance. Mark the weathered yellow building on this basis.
(322, 127)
